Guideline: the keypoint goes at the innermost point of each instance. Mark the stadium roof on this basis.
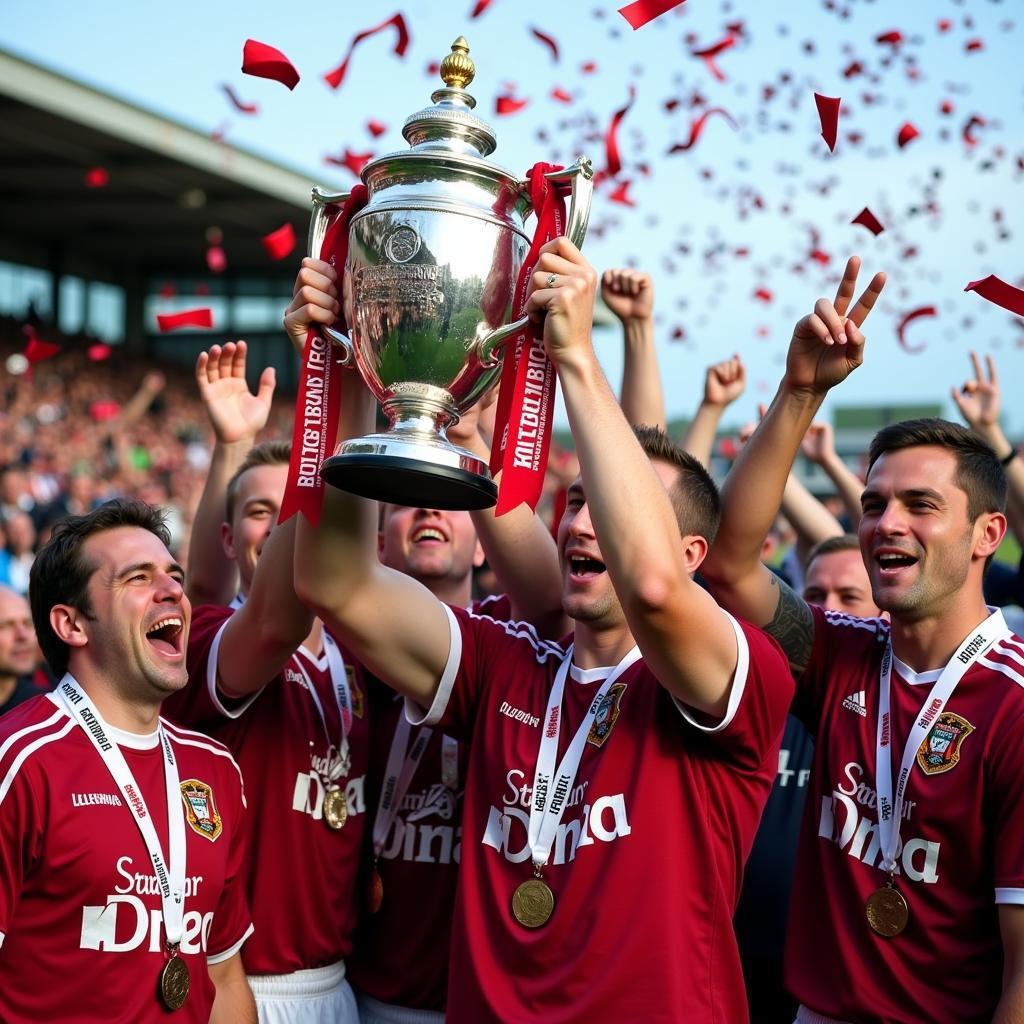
(168, 184)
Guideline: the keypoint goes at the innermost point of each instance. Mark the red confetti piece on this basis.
(280, 243)
(480, 7)
(337, 76)
(854, 68)
(376, 128)
(355, 162)
(620, 195)
(678, 334)
(547, 40)
(909, 318)
(97, 177)
(202, 318)
(998, 291)
(828, 115)
(433, 69)
(946, 107)
(36, 350)
(240, 105)
(868, 220)
(263, 61)
(893, 38)
(220, 131)
(975, 121)
(944, 24)
(641, 12)
(588, 67)
(974, 44)
(709, 53)
(763, 294)
(98, 352)
(697, 127)
(216, 260)
(819, 256)
(561, 95)
(907, 134)
(613, 163)
(505, 105)
(101, 412)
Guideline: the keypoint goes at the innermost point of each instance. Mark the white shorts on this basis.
(319, 996)
(805, 1016)
(373, 1011)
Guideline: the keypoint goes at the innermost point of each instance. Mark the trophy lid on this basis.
(449, 126)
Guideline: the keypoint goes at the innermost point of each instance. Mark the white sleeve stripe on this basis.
(211, 679)
(2, 937)
(413, 712)
(29, 750)
(219, 958)
(736, 687)
(21, 733)
(1009, 895)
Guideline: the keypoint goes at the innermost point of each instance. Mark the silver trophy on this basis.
(432, 264)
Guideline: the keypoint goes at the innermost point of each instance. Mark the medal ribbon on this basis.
(318, 405)
(339, 685)
(890, 810)
(170, 881)
(401, 766)
(526, 397)
(556, 784)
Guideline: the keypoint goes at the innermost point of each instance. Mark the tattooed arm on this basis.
(826, 347)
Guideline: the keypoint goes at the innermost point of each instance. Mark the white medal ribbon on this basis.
(546, 814)
(342, 698)
(170, 880)
(890, 810)
(403, 760)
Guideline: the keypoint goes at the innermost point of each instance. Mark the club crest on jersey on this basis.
(355, 692)
(201, 809)
(607, 714)
(940, 750)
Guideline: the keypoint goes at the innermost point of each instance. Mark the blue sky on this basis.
(771, 189)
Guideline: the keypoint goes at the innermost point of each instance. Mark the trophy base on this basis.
(448, 478)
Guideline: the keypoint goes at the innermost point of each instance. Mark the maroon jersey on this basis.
(401, 954)
(962, 834)
(81, 925)
(646, 863)
(301, 882)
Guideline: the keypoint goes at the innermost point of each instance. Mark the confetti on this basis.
(355, 162)
(828, 115)
(202, 318)
(240, 105)
(337, 76)
(376, 128)
(216, 260)
(975, 121)
(763, 294)
(98, 352)
(36, 350)
(697, 127)
(279, 243)
(906, 134)
(613, 163)
(97, 177)
(909, 318)
(263, 61)
(893, 38)
(973, 45)
(561, 95)
(641, 12)
(480, 7)
(547, 40)
(709, 53)
(505, 105)
(868, 220)
(999, 292)
(620, 195)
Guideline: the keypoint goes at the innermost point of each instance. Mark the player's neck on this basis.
(457, 593)
(314, 642)
(7, 684)
(928, 643)
(134, 714)
(596, 648)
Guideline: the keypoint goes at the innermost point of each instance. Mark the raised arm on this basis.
(820, 447)
(724, 382)
(629, 294)
(826, 347)
(237, 416)
(979, 401)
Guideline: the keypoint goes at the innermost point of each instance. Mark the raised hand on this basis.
(235, 413)
(724, 382)
(979, 398)
(827, 346)
(819, 444)
(314, 300)
(629, 294)
(562, 291)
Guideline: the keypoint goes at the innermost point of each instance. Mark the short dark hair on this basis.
(979, 473)
(60, 573)
(830, 545)
(694, 495)
(269, 453)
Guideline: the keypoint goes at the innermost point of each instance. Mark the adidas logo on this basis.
(855, 702)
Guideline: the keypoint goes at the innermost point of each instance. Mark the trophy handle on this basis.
(581, 174)
(326, 210)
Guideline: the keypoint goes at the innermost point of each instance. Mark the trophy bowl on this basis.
(433, 260)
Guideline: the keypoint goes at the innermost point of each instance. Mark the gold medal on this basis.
(174, 982)
(335, 808)
(375, 892)
(533, 903)
(887, 911)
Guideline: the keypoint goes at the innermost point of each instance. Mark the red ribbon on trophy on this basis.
(526, 397)
(318, 406)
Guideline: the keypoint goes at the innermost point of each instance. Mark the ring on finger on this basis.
(551, 280)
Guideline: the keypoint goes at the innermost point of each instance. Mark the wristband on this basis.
(1007, 459)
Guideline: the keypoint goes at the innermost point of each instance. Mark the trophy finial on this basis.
(458, 69)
